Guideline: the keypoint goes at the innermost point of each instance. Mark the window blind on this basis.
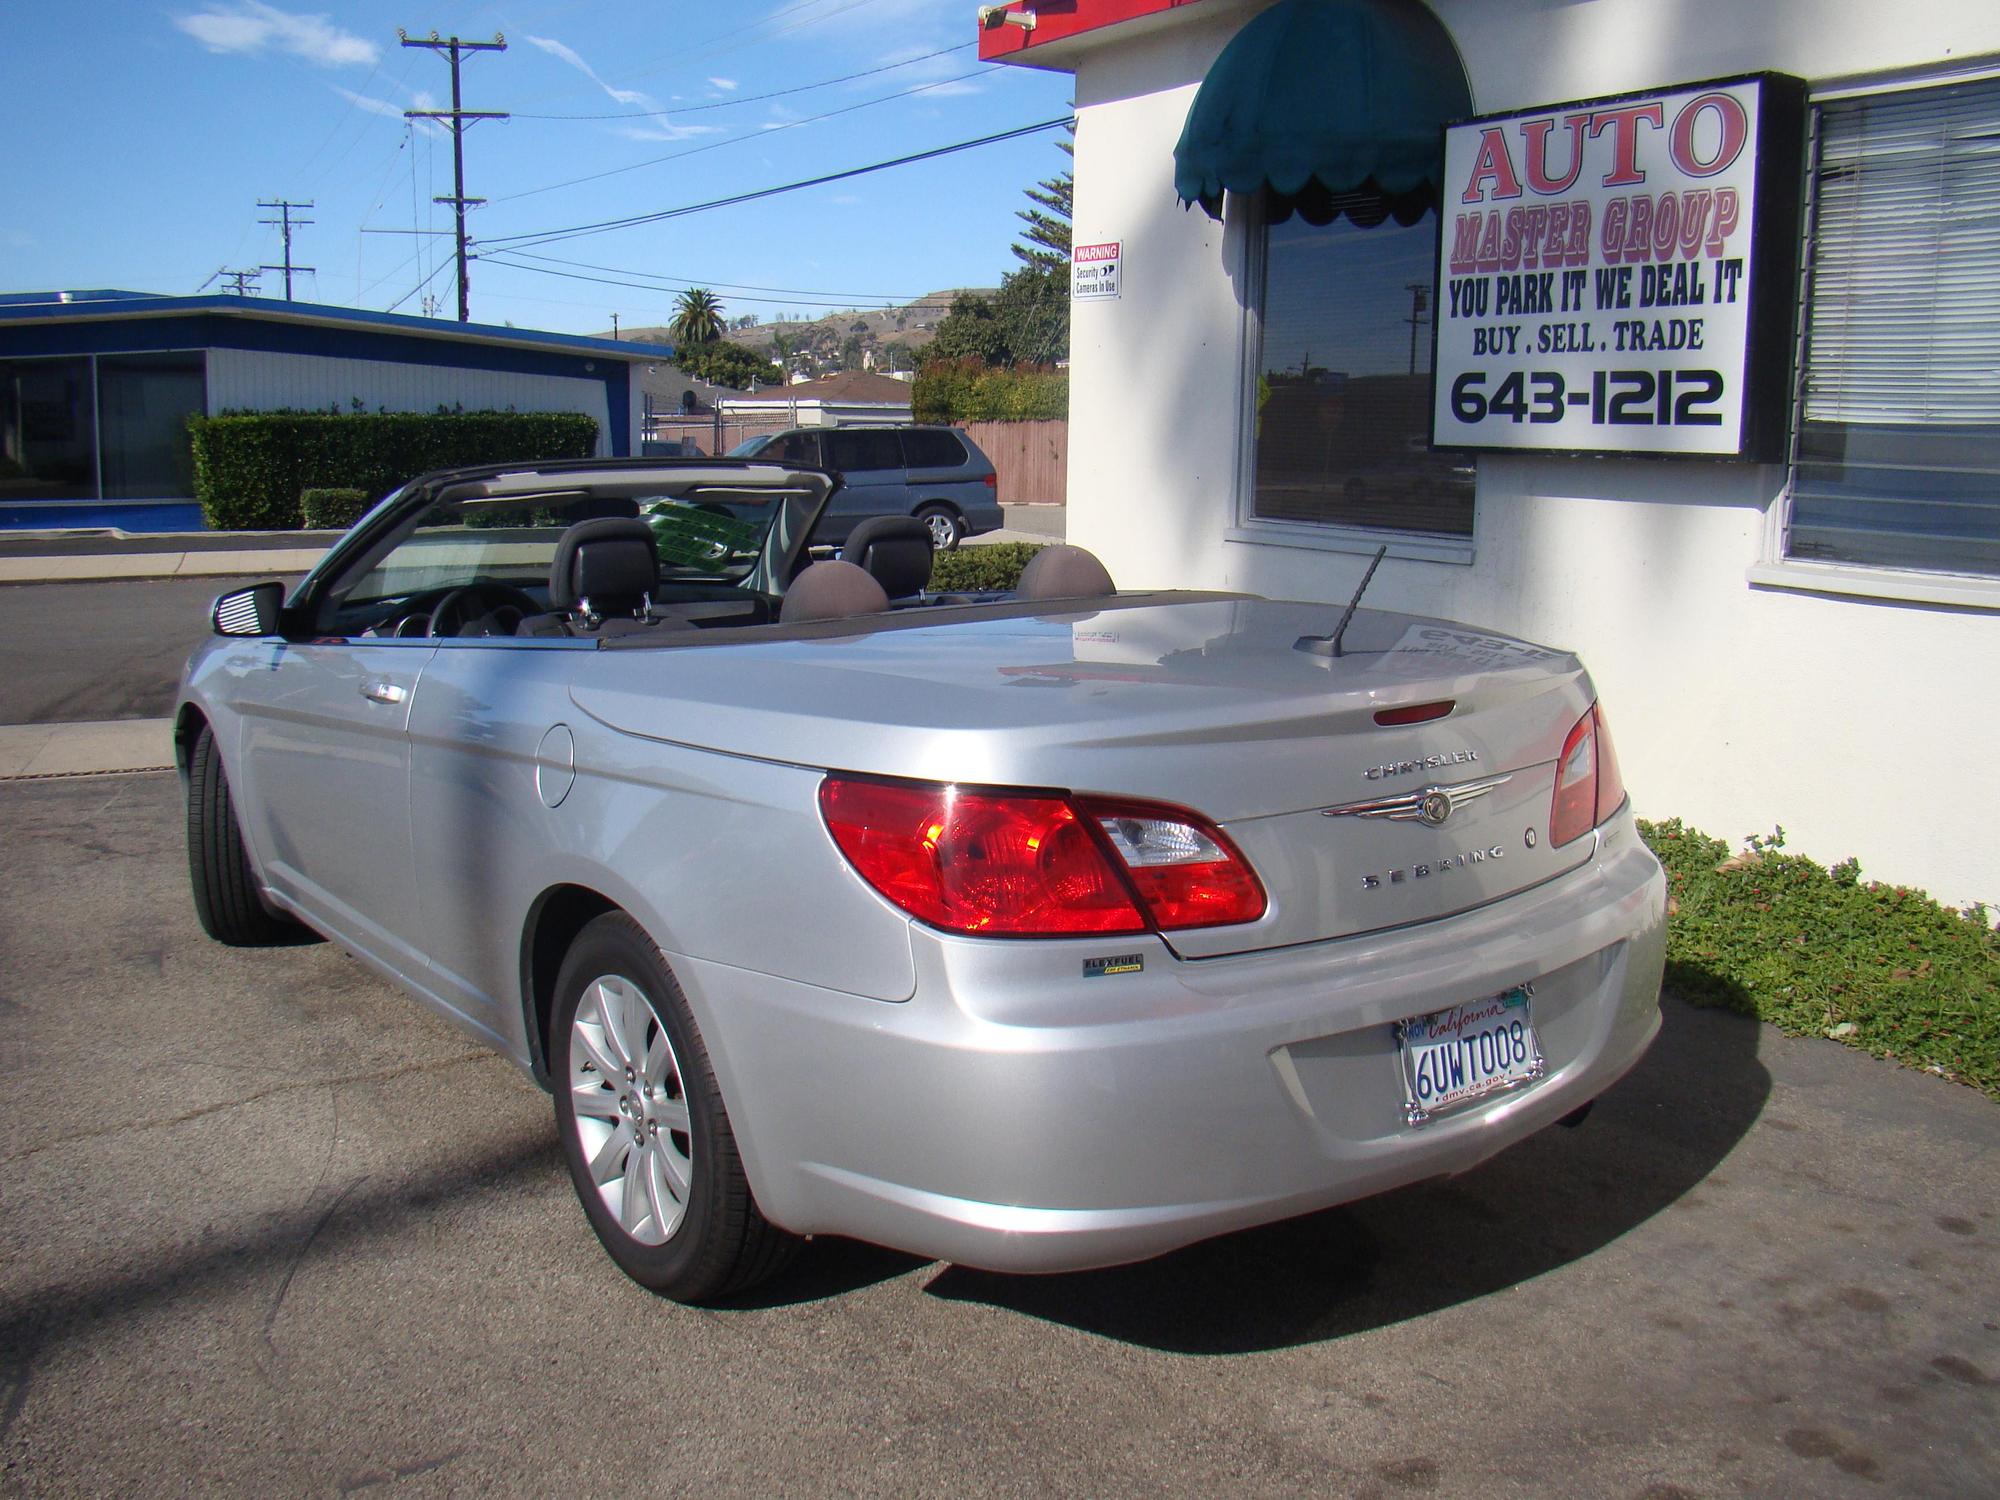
(1898, 460)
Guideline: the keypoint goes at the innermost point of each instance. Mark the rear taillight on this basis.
(996, 862)
(1589, 788)
(992, 481)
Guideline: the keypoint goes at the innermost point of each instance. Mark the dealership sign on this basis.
(1617, 275)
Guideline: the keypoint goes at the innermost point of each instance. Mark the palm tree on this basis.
(697, 317)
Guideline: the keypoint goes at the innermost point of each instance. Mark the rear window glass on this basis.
(792, 448)
(933, 448)
(864, 448)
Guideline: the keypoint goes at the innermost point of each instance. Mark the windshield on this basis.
(715, 536)
(751, 447)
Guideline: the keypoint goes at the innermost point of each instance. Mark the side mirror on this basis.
(249, 612)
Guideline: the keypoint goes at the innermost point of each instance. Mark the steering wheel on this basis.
(496, 608)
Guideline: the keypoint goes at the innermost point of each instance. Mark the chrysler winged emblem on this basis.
(1432, 805)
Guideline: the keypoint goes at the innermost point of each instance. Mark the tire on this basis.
(225, 887)
(658, 1173)
(947, 527)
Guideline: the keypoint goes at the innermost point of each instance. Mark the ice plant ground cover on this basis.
(1821, 952)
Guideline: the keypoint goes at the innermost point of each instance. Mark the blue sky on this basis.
(143, 134)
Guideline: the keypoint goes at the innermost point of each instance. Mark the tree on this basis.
(697, 317)
(727, 364)
(970, 331)
(1032, 310)
(1048, 231)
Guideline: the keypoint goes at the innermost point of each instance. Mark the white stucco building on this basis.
(1806, 636)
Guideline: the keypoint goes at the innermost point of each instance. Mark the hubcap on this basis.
(631, 1110)
(942, 531)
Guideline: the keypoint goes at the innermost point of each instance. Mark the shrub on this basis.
(332, 509)
(972, 570)
(1821, 952)
(964, 390)
(250, 467)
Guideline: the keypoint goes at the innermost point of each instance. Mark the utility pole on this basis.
(285, 207)
(452, 47)
(242, 280)
(614, 327)
(1420, 301)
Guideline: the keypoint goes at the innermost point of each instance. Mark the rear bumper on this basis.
(1018, 1116)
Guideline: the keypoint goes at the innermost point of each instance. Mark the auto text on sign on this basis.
(1594, 277)
(1094, 271)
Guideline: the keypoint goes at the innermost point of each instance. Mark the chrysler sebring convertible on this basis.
(1033, 931)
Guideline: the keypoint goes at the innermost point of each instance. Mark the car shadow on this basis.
(1545, 1203)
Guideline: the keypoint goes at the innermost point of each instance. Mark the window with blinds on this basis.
(1897, 462)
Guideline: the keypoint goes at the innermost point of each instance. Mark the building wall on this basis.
(261, 380)
(1860, 725)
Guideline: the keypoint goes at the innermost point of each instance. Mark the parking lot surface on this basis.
(270, 1229)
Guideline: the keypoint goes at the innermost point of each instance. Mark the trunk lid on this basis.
(1210, 703)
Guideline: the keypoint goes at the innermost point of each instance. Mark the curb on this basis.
(33, 751)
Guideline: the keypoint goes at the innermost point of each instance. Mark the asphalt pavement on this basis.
(270, 1228)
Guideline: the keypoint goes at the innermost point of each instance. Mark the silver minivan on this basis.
(936, 474)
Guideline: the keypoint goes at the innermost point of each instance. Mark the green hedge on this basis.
(970, 570)
(333, 509)
(965, 390)
(251, 467)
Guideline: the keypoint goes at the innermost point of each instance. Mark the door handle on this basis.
(384, 692)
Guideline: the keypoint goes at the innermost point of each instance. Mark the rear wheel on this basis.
(649, 1145)
(225, 887)
(944, 525)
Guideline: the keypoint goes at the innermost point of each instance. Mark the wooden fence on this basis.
(1031, 458)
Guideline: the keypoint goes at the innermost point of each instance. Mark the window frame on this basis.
(1246, 526)
(1774, 569)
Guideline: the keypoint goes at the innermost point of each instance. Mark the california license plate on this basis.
(1454, 1056)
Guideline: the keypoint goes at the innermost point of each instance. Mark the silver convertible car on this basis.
(1033, 931)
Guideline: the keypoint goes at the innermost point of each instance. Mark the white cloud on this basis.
(248, 26)
(727, 85)
(390, 111)
(569, 55)
(664, 132)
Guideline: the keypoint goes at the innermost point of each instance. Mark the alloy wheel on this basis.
(631, 1111)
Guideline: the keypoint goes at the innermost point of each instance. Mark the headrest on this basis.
(1064, 572)
(894, 550)
(831, 591)
(613, 563)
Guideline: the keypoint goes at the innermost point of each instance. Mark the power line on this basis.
(858, 304)
(452, 47)
(804, 88)
(693, 281)
(748, 135)
(418, 287)
(602, 226)
(286, 223)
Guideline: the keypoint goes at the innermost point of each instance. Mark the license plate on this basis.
(1453, 1056)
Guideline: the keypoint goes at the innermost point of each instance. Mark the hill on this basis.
(861, 338)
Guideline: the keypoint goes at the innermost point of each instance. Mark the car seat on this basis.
(601, 580)
(893, 550)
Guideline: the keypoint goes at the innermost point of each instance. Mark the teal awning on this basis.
(1332, 106)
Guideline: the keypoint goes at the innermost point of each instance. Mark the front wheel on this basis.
(219, 871)
(944, 525)
(649, 1144)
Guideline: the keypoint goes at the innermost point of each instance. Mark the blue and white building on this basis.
(96, 386)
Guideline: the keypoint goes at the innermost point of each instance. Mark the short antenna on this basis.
(1329, 645)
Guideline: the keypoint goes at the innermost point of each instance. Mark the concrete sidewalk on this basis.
(31, 750)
